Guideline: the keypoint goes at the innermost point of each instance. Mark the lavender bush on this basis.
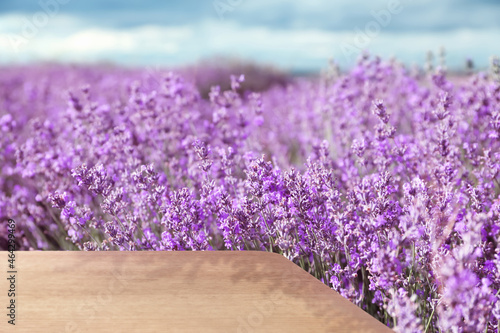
(383, 185)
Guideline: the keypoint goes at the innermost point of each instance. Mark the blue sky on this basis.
(296, 35)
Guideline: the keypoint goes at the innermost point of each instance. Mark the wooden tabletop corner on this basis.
(216, 291)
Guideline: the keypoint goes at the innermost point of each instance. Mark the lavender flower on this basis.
(381, 184)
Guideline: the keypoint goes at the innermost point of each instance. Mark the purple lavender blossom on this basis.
(383, 185)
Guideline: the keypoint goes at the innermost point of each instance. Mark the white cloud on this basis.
(68, 38)
(64, 38)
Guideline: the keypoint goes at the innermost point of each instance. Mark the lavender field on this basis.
(382, 183)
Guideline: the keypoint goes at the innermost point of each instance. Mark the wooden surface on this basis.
(173, 292)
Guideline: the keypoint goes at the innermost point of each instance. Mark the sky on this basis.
(293, 35)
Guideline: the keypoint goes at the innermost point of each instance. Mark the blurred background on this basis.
(296, 36)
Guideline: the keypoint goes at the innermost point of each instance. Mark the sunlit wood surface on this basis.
(173, 292)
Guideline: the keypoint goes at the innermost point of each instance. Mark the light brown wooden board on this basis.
(173, 292)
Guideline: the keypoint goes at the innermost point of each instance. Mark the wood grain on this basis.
(173, 292)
